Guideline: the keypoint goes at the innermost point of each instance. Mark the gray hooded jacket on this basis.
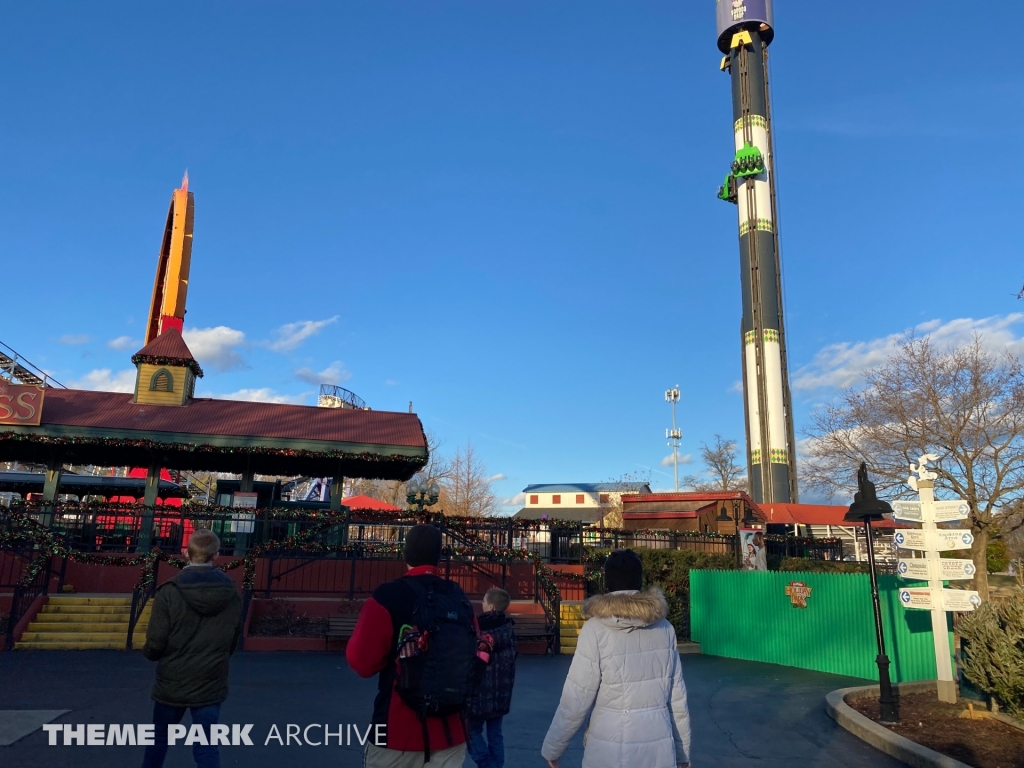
(192, 633)
(627, 670)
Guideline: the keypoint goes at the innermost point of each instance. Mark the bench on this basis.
(533, 628)
(340, 626)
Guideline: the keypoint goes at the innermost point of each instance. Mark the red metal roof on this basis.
(682, 505)
(167, 344)
(814, 514)
(358, 503)
(206, 416)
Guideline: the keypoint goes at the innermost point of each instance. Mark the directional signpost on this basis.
(932, 568)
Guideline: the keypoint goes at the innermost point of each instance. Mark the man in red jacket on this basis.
(372, 650)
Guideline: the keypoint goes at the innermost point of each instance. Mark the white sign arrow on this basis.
(916, 598)
(907, 510)
(911, 540)
(960, 600)
(947, 511)
(951, 569)
(951, 599)
(914, 569)
(944, 569)
(933, 541)
(955, 539)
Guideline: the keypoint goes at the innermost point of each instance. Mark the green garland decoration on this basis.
(162, 360)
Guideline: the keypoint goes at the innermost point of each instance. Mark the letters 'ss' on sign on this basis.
(21, 404)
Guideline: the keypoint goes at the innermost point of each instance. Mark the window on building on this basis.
(533, 498)
(556, 498)
(604, 498)
(579, 498)
(162, 381)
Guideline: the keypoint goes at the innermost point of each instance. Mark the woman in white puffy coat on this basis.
(626, 669)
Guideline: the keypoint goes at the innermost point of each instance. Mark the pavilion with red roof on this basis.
(162, 425)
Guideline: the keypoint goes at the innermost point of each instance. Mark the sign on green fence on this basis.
(749, 615)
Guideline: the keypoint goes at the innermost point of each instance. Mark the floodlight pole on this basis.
(674, 435)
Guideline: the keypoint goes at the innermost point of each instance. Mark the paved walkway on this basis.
(744, 714)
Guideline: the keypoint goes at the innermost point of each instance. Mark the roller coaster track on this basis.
(18, 369)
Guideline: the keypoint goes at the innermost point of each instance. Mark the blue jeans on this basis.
(489, 754)
(164, 715)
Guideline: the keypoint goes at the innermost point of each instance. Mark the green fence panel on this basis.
(747, 615)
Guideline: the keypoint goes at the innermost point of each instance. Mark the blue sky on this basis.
(503, 212)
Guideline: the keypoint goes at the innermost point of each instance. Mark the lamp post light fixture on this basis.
(420, 494)
(748, 520)
(866, 508)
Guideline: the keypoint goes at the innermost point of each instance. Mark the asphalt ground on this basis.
(743, 713)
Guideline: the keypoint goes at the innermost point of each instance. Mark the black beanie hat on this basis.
(423, 545)
(623, 570)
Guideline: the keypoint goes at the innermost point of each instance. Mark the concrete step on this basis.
(49, 627)
(76, 646)
(90, 600)
(75, 608)
(89, 618)
(101, 636)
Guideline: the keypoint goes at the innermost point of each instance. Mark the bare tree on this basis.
(466, 488)
(721, 472)
(612, 515)
(964, 404)
(392, 492)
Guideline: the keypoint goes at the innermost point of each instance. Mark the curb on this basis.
(688, 647)
(879, 736)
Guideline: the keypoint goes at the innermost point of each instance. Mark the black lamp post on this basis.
(748, 520)
(867, 507)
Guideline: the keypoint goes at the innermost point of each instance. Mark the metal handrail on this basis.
(25, 594)
(140, 596)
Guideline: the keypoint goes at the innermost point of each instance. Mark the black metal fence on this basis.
(700, 542)
(119, 530)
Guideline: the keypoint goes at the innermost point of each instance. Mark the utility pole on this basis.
(674, 435)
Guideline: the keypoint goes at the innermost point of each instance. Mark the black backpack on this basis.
(438, 677)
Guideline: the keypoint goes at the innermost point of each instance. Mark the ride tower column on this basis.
(744, 32)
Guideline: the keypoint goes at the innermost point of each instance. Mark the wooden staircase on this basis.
(571, 620)
(84, 622)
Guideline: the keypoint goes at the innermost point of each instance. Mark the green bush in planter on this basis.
(993, 650)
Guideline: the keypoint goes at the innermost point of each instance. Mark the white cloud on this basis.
(736, 386)
(291, 335)
(74, 339)
(667, 461)
(518, 501)
(390, 383)
(125, 343)
(261, 395)
(844, 364)
(103, 380)
(217, 348)
(334, 373)
(496, 478)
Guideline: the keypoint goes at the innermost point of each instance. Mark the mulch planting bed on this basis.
(983, 743)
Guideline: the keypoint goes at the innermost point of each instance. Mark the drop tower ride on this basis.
(745, 30)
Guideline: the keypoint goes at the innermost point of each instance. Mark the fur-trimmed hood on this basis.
(627, 609)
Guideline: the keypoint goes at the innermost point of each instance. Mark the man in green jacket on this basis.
(192, 633)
